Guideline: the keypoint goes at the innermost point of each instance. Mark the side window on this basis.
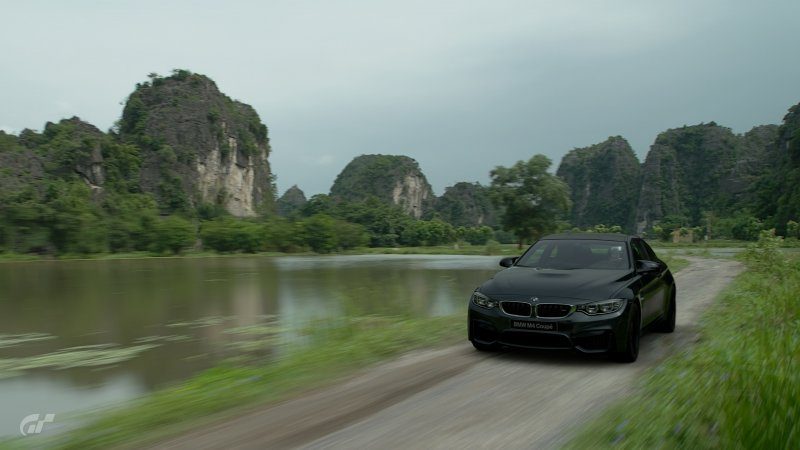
(651, 254)
(638, 250)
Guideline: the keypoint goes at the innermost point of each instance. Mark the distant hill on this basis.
(778, 190)
(291, 201)
(392, 179)
(697, 169)
(198, 146)
(604, 180)
(467, 204)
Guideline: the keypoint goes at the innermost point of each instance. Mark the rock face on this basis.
(684, 173)
(778, 189)
(393, 179)
(19, 166)
(755, 154)
(198, 145)
(291, 200)
(604, 182)
(466, 204)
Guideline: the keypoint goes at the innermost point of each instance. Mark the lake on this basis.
(77, 335)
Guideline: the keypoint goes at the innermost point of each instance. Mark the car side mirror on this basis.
(645, 266)
(508, 262)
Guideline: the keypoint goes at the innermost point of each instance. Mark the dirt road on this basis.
(459, 398)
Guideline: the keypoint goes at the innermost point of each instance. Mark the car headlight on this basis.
(483, 301)
(605, 307)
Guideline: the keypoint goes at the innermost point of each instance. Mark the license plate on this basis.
(539, 326)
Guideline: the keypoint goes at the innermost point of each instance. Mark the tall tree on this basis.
(533, 199)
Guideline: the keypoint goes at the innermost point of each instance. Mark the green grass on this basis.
(714, 243)
(739, 387)
(675, 264)
(333, 351)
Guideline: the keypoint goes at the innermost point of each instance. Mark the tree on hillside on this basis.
(533, 199)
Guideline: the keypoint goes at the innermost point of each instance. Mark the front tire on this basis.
(631, 351)
(484, 347)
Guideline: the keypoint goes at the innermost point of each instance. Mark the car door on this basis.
(652, 291)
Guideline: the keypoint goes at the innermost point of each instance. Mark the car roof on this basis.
(589, 236)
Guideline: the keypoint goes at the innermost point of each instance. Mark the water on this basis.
(146, 324)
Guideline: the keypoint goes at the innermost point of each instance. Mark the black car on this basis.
(591, 292)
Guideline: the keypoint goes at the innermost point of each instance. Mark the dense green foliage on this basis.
(738, 387)
(533, 200)
(604, 181)
(467, 205)
(719, 184)
(778, 190)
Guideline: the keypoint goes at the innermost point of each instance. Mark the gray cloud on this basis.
(460, 86)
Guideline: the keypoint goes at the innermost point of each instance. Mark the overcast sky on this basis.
(460, 86)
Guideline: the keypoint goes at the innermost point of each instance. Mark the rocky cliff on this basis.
(19, 166)
(198, 145)
(684, 173)
(604, 182)
(393, 179)
(755, 154)
(777, 191)
(706, 168)
(466, 204)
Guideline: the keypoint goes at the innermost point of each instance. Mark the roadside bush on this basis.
(173, 234)
(229, 235)
(281, 235)
(475, 235)
(350, 235)
(765, 255)
(319, 233)
(505, 237)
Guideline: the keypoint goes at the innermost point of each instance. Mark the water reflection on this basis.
(197, 312)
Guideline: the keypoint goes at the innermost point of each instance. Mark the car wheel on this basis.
(631, 350)
(484, 347)
(667, 323)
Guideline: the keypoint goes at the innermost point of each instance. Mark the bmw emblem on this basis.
(534, 299)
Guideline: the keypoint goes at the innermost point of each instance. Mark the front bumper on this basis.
(587, 334)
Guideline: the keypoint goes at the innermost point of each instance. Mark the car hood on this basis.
(589, 284)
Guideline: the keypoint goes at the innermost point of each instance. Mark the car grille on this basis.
(552, 310)
(521, 309)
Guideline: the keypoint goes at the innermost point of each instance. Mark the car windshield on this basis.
(576, 254)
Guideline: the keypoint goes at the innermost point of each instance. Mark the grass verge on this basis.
(739, 387)
(333, 351)
(674, 263)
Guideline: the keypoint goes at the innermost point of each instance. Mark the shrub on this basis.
(173, 234)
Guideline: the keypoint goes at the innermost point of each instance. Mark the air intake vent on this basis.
(552, 310)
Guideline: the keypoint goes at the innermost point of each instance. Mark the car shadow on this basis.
(654, 346)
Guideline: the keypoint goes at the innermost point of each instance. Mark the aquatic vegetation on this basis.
(10, 340)
(68, 358)
(167, 338)
(202, 322)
